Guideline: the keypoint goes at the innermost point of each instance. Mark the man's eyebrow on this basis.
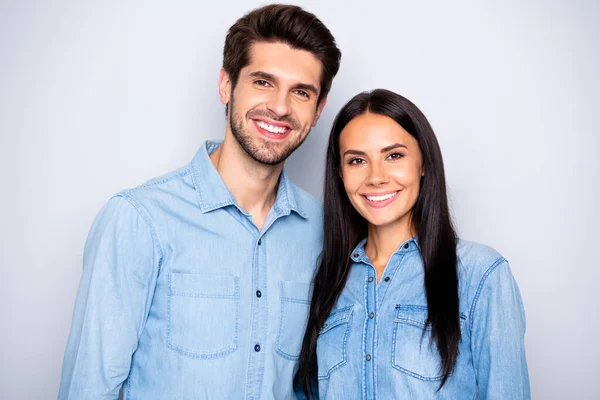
(263, 75)
(270, 77)
(308, 87)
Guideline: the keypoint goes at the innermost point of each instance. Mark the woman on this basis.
(401, 308)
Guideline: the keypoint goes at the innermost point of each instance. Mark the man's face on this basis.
(274, 103)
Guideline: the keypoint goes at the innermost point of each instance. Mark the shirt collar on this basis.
(212, 192)
(359, 254)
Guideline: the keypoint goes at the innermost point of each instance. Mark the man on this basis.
(196, 284)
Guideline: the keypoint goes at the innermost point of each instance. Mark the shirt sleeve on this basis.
(120, 265)
(497, 336)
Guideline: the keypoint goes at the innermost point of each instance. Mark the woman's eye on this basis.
(355, 161)
(395, 156)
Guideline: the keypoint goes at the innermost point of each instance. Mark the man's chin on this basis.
(264, 150)
(270, 159)
(268, 153)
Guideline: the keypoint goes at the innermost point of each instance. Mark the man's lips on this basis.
(272, 130)
(272, 123)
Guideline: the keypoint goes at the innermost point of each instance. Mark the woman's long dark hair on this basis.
(344, 228)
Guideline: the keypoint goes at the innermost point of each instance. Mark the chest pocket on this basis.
(331, 343)
(295, 305)
(412, 350)
(202, 315)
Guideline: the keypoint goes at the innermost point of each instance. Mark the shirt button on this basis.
(387, 279)
(259, 242)
(370, 279)
(257, 347)
(406, 245)
(368, 357)
(258, 293)
(372, 315)
(355, 255)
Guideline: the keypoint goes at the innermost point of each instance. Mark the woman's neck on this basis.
(383, 241)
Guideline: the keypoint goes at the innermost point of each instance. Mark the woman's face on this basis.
(381, 167)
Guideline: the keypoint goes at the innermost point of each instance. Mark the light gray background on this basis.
(100, 96)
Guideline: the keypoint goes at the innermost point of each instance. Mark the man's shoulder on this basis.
(170, 184)
(148, 201)
(310, 205)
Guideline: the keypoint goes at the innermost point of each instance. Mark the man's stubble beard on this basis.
(264, 152)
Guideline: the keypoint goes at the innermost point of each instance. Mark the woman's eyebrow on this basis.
(384, 150)
(392, 147)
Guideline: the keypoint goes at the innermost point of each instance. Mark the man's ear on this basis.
(319, 110)
(224, 87)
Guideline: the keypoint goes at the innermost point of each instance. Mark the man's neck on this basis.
(252, 184)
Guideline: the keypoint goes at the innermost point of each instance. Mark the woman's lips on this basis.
(380, 200)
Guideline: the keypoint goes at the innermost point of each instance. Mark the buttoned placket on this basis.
(370, 301)
(374, 294)
(370, 332)
(256, 359)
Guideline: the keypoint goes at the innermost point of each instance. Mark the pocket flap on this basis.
(336, 318)
(296, 292)
(412, 315)
(416, 315)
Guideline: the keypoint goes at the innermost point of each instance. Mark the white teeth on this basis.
(381, 198)
(270, 128)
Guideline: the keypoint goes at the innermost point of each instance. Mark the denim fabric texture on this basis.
(182, 297)
(374, 345)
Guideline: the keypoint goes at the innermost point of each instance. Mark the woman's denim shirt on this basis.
(372, 345)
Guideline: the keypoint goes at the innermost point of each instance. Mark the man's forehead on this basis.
(284, 62)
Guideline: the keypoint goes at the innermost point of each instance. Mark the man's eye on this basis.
(303, 93)
(262, 82)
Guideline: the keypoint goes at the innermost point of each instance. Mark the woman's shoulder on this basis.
(487, 284)
(476, 254)
(476, 261)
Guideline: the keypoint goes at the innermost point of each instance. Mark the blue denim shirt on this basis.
(182, 297)
(372, 345)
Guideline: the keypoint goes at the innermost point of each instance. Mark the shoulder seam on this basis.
(144, 214)
(480, 287)
(151, 183)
